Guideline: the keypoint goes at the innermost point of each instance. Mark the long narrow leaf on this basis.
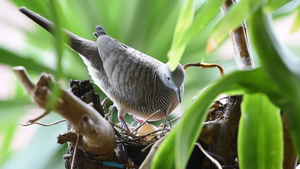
(184, 21)
(275, 4)
(281, 68)
(57, 17)
(204, 15)
(273, 57)
(296, 24)
(260, 137)
(12, 59)
(178, 145)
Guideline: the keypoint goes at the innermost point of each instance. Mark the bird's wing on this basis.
(130, 72)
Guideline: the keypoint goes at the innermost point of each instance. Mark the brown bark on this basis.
(98, 137)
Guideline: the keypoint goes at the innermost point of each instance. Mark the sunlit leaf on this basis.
(286, 9)
(274, 4)
(184, 21)
(260, 137)
(204, 15)
(296, 24)
(57, 19)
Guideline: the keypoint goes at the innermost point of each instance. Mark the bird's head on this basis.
(173, 80)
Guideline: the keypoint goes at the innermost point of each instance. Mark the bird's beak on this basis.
(178, 93)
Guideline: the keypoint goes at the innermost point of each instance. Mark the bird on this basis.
(136, 83)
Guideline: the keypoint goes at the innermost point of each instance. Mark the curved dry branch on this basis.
(98, 135)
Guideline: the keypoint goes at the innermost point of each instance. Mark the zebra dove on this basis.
(136, 83)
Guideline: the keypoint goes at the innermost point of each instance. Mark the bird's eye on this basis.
(168, 78)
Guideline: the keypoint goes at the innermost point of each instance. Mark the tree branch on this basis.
(240, 42)
(98, 135)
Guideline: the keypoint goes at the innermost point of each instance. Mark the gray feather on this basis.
(130, 72)
(135, 82)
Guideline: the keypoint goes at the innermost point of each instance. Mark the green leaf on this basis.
(183, 136)
(12, 59)
(60, 39)
(275, 4)
(235, 16)
(292, 111)
(286, 9)
(204, 15)
(260, 137)
(281, 67)
(296, 24)
(184, 21)
(57, 18)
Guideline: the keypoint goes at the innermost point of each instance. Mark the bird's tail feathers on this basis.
(76, 41)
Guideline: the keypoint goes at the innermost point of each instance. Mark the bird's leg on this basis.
(138, 120)
(120, 117)
(122, 121)
(110, 112)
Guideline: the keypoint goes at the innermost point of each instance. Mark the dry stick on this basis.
(205, 65)
(145, 121)
(39, 117)
(75, 151)
(104, 102)
(148, 146)
(240, 42)
(124, 130)
(96, 131)
(165, 121)
(148, 134)
(43, 124)
(177, 118)
(218, 165)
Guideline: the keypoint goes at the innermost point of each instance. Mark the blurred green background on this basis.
(144, 25)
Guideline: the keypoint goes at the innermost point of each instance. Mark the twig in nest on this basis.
(147, 147)
(43, 124)
(210, 122)
(175, 119)
(121, 128)
(205, 65)
(148, 134)
(104, 102)
(209, 157)
(145, 121)
(165, 122)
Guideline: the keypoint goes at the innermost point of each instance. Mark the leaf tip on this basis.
(172, 66)
(211, 45)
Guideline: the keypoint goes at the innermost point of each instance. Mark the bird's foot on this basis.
(123, 123)
(139, 120)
